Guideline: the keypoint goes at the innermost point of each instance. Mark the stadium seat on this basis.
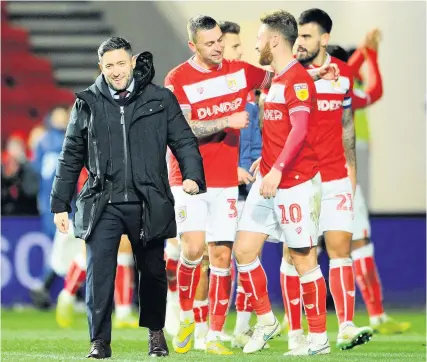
(48, 96)
(13, 39)
(16, 102)
(22, 69)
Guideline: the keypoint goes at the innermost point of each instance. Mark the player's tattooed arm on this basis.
(349, 143)
(203, 129)
(349, 137)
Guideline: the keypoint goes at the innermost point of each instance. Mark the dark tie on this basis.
(122, 94)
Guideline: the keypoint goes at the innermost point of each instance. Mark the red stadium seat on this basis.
(14, 39)
(16, 102)
(46, 97)
(22, 69)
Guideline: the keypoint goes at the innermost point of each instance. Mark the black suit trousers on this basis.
(101, 253)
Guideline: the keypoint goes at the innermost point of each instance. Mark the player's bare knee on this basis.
(304, 259)
(338, 244)
(192, 252)
(193, 245)
(244, 254)
(220, 254)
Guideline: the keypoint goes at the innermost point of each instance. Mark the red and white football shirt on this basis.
(332, 98)
(292, 90)
(210, 95)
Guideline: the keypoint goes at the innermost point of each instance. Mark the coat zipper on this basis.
(122, 122)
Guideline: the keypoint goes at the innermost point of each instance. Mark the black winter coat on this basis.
(157, 122)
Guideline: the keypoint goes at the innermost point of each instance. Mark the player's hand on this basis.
(190, 187)
(255, 167)
(329, 71)
(238, 120)
(244, 176)
(61, 221)
(373, 38)
(270, 183)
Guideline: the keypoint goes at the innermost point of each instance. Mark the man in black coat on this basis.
(119, 129)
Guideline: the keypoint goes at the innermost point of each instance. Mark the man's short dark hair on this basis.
(228, 27)
(114, 43)
(338, 52)
(199, 22)
(284, 23)
(318, 17)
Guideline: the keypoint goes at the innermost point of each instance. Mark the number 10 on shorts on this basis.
(292, 214)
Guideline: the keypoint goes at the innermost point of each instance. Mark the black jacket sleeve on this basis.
(70, 162)
(183, 144)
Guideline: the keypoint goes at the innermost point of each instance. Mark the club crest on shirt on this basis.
(301, 91)
(231, 83)
(336, 84)
(181, 214)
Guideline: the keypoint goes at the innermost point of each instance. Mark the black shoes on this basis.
(100, 349)
(157, 346)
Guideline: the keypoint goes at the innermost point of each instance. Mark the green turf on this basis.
(28, 335)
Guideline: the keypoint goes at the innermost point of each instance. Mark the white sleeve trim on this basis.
(299, 109)
(185, 106)
(268, 76)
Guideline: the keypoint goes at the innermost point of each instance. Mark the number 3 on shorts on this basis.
(233, 208)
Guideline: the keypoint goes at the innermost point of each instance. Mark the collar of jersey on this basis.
(289, 66)
(327, 61)
(199, 68)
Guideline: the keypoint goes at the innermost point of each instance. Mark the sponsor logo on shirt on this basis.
(217, 109)
(324, 105)
(272, 115)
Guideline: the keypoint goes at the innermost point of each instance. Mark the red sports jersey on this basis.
(213, 94)
(332, 98)
(291, 91)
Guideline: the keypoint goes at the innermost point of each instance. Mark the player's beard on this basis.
(265, 56)
(110, 82)
(308, 57)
